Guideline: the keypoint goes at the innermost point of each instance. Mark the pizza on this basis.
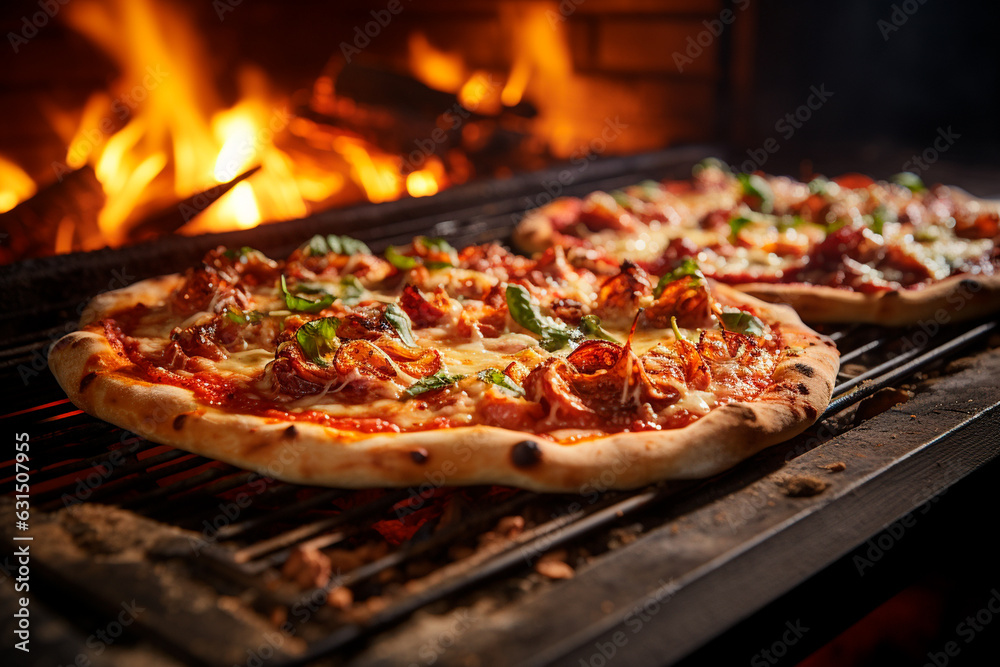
(340, 367)
(850, 249)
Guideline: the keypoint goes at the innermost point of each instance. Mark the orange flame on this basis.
(15, 185)
(176, 140)
(438, 69)
(161, 134)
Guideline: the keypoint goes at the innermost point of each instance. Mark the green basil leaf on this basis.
(500, 379)
(591, 326)
(435, 244)
(755, 186)
(832, 227)
(710, 163)
(439, 380)
(740, 321)
(335, 243)
(399, 321)
(648, 190)
(351, 290)
(526, 312)
(317, 245)
(687, 269)
(910, 181)
(738, 223)
(434, 266)
(244, 317)
(302, 304)
(236, 316)
(523, 310)
(240, 253)
(345, 245)
(399, 260)
(819, 186)
(878, 218)
(621, 199)
(785, 221)
(556, 339)
(318, 338)
(307, 287)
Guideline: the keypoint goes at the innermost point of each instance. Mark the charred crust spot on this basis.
(829, 343)
(419, 455)
(525, 454)
(971, 285)
(805, 369)
(802, 389)
(77, 342)
(746, 413)
(86, 380)
(810, 411)
(290, 433)
(179, 422)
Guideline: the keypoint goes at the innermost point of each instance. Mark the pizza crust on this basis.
(306, 453)
(957, 298)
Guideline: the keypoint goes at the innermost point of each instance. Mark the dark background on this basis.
(892, 94)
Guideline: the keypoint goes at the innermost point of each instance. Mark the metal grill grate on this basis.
(77, 458)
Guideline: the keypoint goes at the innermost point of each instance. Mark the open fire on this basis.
(161, 151)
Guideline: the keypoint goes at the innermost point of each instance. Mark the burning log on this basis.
(381, 87)
(60, 217)
(403, 116)
(171, 219)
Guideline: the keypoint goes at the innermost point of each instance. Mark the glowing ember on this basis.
(421, 183)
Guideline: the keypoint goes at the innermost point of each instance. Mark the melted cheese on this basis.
(464, 351)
